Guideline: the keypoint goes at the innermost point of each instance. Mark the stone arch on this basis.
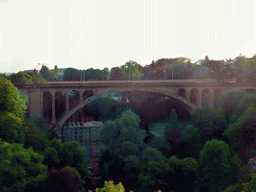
(47, 106)
(182, 92)
(74, 98)
(60, 103)
(185, 104)
(171, 93)
(206, 97)
(216, 94)
(87, 93)
(194, 96)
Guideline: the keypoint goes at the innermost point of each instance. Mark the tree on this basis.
(35, 137)
(127, 148)
(131, 68)
(123, 128)
(45, 72)
(5, 76)
(11, 100)
(116, 74)
(247, 101)
(171, 124)
(151, 154)
(214, 171)
(10, 128)
(228, 102)
(247, 138)
(65, 179)
(36, 77)
(20, 77)
(211, 119)
(154, 173)
(104, 106)
(71, 74)
(59, 154)
(55, 73)
(106, 73)
(20, 167)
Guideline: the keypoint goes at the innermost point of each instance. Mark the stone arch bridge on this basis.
(189, 93)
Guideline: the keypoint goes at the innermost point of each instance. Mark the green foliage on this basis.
(124, 128)
(55, 72)
(235, 167)
(209, 117)
(71, 74)
(228, 101)
(232, 130)
(41, 123)
(127, 148)
(232, 188)
(21, 77)
(250, 186)
(131, 68)
(34, 137)
(249, 100)
(104, 104)
(196, 139)
(5, 77)
(116, 74)
(158, 142)
(11, 100)
(110, 187)
(171, 124)
(36, 77)
(232, 134)
(10, 128)
(60, 154)
(249, 113)
(46, 73)
(214, 165)
(151, 154)
(152, 173)
(131, 161)
(244, 176)
(19, 167)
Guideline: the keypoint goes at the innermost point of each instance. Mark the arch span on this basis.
(190, 107)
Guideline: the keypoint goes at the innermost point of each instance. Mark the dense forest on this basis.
(209, 153)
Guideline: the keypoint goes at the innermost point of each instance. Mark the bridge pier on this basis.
(53, 110)
(67, 100)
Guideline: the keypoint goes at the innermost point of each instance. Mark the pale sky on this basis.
(108, 33)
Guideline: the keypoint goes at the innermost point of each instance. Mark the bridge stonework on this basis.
(191, 93)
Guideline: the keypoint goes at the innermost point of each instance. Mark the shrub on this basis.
(214, 170)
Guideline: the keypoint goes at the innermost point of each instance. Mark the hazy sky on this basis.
(109, 33)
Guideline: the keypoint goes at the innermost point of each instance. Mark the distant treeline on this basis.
(241, 69)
